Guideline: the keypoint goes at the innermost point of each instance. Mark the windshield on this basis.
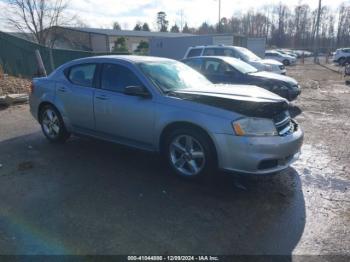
(247, 55)
(172, 76)
(241, 66)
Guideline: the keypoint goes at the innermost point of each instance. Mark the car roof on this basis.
(127, 58)
(222, 58)
(213, 46)
(211, 56)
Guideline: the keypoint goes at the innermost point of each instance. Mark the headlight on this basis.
(284, 88)
(268, 68)
(279, 88)
(254, 127)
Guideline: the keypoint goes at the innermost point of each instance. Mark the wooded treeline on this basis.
(288, 27)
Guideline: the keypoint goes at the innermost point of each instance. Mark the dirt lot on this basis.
(91, 197)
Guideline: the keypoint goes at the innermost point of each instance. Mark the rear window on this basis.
(195, 52)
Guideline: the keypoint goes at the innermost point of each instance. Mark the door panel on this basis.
(75, 95)
(129, 119)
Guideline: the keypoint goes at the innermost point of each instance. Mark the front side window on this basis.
(229, 52)
(216, 67)
(218, 52)
(116, 78)
(82, 75)
(209, 52)
(211, 67)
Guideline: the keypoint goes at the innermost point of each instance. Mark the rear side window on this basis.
(116, 78)
(82, 75)
(195, 52)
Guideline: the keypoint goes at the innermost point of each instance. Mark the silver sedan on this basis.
(164, 106)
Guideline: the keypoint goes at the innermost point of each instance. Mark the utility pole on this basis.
(219, 25)
(316, 44)
(181, 14)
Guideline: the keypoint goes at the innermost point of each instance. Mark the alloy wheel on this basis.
(50, 123)
(187, 155)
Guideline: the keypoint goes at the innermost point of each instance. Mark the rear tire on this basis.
(52, 125)
(190, 154)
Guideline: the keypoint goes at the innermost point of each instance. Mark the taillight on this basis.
(31, 88)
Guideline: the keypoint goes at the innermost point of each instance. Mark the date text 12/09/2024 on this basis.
(173, 258)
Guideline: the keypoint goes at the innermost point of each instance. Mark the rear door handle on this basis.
(62, 89)
(101, 97)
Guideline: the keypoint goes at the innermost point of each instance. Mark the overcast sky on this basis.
(101, 13)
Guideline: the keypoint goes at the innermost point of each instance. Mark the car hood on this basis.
(270, 62)
(273, 76)
(250, 101)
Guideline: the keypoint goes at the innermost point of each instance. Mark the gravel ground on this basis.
(323, 111)
(92, 197)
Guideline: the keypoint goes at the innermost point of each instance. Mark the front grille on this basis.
(268, 164)
(284, 124)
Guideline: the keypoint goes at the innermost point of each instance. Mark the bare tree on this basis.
(36, 16)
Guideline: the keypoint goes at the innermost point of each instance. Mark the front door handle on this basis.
(62, 89)
(101, 97)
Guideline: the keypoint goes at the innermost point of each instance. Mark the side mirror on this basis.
(140, 91)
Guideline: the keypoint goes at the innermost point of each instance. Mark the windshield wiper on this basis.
(169, 92)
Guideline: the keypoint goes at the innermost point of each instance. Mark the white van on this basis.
(240, 53)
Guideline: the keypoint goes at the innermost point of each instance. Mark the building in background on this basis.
(176, 47)
(102, 40)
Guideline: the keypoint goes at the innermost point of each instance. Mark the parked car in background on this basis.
(230, 70)
(240, 53)
(287, 52)
(283, 58)
(162, 105)
(301, 53)
(342, 56)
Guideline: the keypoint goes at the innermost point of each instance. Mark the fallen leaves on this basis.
(14, 85)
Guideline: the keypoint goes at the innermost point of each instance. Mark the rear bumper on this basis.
(258, 155)
(34, 106)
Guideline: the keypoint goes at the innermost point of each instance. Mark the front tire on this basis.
(52, 125)
(190, 153)
(341, 61)
(286, 62)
